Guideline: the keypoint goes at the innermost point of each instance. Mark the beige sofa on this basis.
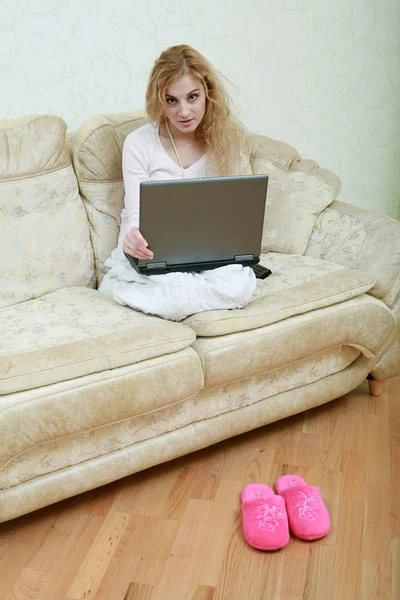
(92, 391)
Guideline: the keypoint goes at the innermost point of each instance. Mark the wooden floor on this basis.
(174, 531)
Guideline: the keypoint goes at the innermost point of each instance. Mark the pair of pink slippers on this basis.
(267, 517)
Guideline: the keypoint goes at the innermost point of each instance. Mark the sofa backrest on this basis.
(298, 192)
(44, 233)
(97, 156)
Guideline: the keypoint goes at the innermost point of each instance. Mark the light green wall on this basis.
(321, 75)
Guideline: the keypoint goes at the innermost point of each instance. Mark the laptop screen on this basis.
(203, 220)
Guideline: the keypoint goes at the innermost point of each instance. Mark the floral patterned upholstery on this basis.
(44, 233)
(72, 450)
(357, 238)
(75, 331)
(297, 285)
(337, 237)
(294, 201)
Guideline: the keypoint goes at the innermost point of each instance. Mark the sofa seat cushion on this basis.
(298, 284)
(35, 457)
(75, 331)
(364, 323)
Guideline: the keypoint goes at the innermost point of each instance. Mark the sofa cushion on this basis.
(97, 155)
(363, 323)
(75, 331)
(298, 191)
(298, 284)
(294, 201)
(44, 232)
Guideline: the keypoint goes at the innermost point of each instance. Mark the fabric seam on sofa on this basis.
(92, 231)
(311, 226)
(28, 177)
(34, 119)
(103, 183)
(395, 283)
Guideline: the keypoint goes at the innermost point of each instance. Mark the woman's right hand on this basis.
(135, 245)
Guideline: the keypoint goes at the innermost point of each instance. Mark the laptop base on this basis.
(161, 268)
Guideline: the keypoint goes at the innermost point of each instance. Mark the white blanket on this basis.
(175, 296)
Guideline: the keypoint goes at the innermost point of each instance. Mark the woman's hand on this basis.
(135, 245)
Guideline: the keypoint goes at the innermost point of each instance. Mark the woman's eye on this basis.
(193, 96)
(170, 100)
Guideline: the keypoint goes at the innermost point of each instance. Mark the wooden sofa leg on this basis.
(375, 387)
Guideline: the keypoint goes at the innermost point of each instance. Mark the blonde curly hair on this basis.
(223, 135)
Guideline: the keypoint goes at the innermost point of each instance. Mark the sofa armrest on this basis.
(357, 238)
(389, 364)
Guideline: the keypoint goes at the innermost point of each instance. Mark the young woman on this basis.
(193, 133)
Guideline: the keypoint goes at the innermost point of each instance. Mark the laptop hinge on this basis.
(157, 265)
(240, 257)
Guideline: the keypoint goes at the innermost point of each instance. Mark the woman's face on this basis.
(185, 103)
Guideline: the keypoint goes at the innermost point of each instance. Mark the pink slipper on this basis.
(265, 524)
(307, 513)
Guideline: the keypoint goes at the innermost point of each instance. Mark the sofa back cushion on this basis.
(298, 191)
(97, 155)
(44, 233)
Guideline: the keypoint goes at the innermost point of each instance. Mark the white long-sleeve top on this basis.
(144, 158)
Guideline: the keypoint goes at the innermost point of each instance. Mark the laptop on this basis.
(200, 224)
